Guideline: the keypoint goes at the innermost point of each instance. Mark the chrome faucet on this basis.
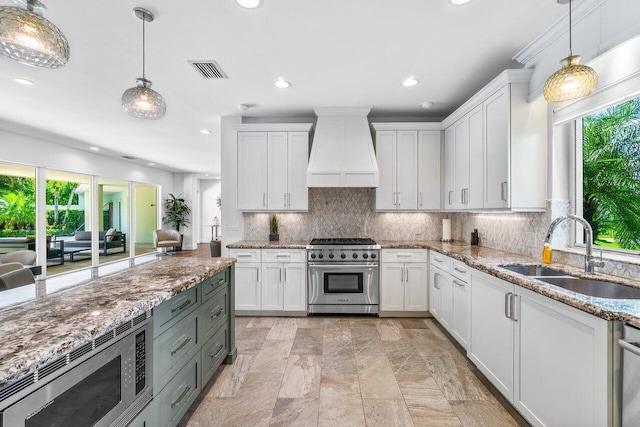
(589, 259)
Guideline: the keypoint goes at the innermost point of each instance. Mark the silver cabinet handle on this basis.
(450, 193)
(437, 259)
(407, 275)
(462, 196)
(257, 274)
(216, 312)
(629, 346)
(285, 200)
(281, 274)
(395, 199)
(402, 275)
(399, 199)
(181, 346)
(284, 254)
(436, 282)
(182, 395)
(182, 306)
(459, 283)
(285, 274)
(264, 200)
(420, 198)
(507, 305)
(289, 200)
(243, 255)
(459, 270)
(218, 351)
(503, 190)
(512, 307)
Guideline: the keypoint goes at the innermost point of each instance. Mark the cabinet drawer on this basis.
(170, 311)
(245, 255)
(459, 270)
(284, 255)
(443, 262)
(175, 399)
(404, 255)
(213, 313)
(214, 352)
(210, 285)
(172, 349)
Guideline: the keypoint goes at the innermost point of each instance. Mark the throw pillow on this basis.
(108, 236)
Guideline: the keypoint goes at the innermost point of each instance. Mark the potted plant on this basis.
(176, 212)
(273, 229)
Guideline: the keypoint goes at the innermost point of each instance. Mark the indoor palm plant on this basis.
(176, 212)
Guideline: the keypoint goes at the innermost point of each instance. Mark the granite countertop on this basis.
(266, 244)
(40, 331)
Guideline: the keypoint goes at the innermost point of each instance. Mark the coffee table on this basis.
(72, 251)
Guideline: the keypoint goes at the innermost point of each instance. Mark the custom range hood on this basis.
(342, 152)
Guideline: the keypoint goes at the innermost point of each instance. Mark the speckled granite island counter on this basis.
(43, 330)
(266, 244)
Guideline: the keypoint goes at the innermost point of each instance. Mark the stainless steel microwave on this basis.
(108, 389)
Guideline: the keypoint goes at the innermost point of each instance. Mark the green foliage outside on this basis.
(18, 207)
(611, 175)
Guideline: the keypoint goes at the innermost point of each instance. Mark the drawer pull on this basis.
(283, 255)
(221, 281)
(437, 259)
(216, 312)
(181, 306)
(245, 255)
(217, 353)
(459, 283)
(404, 255)
(181, 346)
(182, 395)
(460, 270)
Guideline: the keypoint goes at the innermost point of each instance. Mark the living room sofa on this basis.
(82, 239)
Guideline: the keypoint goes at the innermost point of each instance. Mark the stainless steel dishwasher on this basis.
(630, 345)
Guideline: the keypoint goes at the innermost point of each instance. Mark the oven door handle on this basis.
(336, 266)
(629, 346)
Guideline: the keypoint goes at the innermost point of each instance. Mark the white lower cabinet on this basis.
(248, 289)
(551, 361)
(272, 286)
(283, 286)
(403, 281)
(460, 312)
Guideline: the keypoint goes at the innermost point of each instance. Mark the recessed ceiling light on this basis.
(249, 4)
(94, 148)
(24, 81)
(151, 164)
(281, 83)
(205, 131)
(206, 174)
(459, 2)
(411, 81)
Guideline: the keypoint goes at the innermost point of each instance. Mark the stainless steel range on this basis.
(344, 276)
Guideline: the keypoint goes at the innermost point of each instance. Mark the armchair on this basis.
(14, 275)
(24, 257)
(166, 239)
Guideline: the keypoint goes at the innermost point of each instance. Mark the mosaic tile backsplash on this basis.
(341, 212)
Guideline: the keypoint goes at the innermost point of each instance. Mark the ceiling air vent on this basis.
(209, 69)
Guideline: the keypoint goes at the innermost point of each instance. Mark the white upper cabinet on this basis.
(408, 156)
(506, 153)
(272, 167)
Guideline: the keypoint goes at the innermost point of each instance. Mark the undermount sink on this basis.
(594, 288)
(533, 270)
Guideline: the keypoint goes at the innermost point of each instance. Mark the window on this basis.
(608, 181)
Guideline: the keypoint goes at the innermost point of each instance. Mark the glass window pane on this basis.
(17, 230)
(69, 199)
(146, 217)
(113, 199)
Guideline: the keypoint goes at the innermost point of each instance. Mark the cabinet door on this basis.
(407, 170)
(435, 277)
(474, 193)
(446, 300)
(561, 364)
(298, 160)
(295, 295)
(252, 171)
(272, 286)
(429, 195)
(459, 313)
(492, 332)
(416, 283)
(497, 141)
(461, 160)
(247, 283)
(277, 171)
(392, 286)
(386, 157)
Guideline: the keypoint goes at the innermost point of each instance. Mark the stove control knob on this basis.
(355, 256)
(331, 256)
(373, 256)
(365, 256)
(343, 256)
(313, 256)
(320, 256)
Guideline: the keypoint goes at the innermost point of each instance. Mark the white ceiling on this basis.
(334, 52)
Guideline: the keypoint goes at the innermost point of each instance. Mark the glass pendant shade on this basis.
(142, 102)
(572, 81)
(27, 37)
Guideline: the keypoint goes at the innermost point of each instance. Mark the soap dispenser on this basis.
(547, 253)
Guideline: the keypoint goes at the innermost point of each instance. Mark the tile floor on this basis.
(347, 371)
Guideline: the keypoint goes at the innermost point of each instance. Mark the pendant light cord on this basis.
(570, 47)
(143, 49)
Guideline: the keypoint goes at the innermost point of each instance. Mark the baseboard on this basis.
(270, 313)
(405, 314)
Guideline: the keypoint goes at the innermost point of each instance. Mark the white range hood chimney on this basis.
(342, 153)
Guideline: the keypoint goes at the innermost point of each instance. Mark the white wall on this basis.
(209, 191)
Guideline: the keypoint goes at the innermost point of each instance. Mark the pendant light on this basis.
(141, 101)
(27, 37)
(573, 80)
